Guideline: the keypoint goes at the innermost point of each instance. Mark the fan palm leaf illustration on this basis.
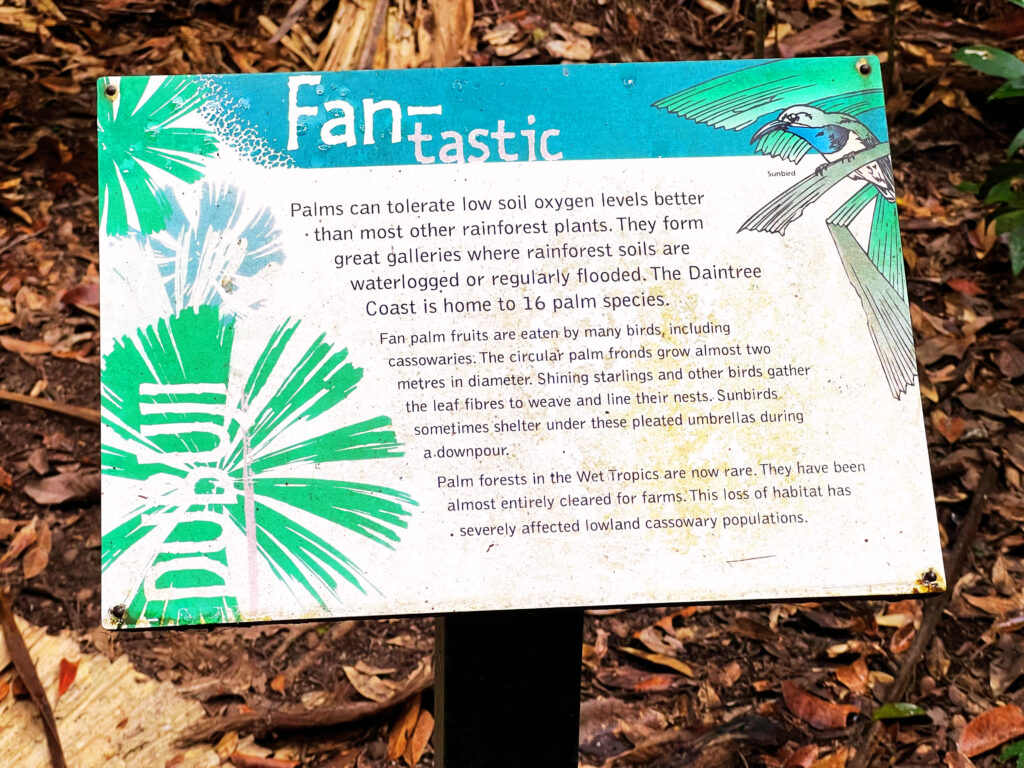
(212, 260)
(216, 465)
(814, 106)
(139, 134)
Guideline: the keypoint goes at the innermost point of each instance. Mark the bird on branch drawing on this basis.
(815, 105)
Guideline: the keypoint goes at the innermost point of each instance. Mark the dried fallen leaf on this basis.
(994, 605)
(633, 679)
(731, 674)
(575, 47)
(419, 739)
(855, 676)
(60, 85)
(585, 29)
(5, 479)
(821, 714)
(34, 562)
(902, 638)
(398, 739)
(65, 486)
(228, 743)
(803, 757)
(1010, 360)
(370, 686)
(85, 296)
(68, 671)
(990, 729)
(38, 462)
(660, 658)
(836, 760)
(957, 760)
(964, 285)
(655, 642)
(25, 538)
(950, 428)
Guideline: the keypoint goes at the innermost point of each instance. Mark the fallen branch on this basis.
(933, 611)
(85, 414)
(26, 670)
(261, 721)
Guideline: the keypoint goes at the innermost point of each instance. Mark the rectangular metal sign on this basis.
(446, 340)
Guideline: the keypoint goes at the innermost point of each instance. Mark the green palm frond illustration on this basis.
(218, 467)
(138, 134)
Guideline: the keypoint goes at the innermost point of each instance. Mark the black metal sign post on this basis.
(508, 689)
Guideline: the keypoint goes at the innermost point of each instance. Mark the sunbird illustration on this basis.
(812, 105)
(834, 135)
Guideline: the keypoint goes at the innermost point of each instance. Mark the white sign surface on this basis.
(536, 337)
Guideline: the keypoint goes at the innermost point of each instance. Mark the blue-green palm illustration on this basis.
(211, 261)
(814, 105)
(215, 466)
(138, 132)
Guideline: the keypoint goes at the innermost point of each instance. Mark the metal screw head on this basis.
(110, 91)
(930, 576)
(117, 611)
(864, 67)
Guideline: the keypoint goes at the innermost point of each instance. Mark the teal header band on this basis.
(515, 114)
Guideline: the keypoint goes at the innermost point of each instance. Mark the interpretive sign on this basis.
(449, 340)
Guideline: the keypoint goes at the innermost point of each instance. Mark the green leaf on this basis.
(991, 61)
(898, 710)
(999, 173)
(1007, 191)
(1018, 141)
(1011, 89)
(1015, 750)
(969, 186)
(1016, 243)
(1008, 221)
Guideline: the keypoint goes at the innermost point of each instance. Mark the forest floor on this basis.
(777, 685)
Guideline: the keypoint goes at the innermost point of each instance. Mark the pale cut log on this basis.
(112, 716)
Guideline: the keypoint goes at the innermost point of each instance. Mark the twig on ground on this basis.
(19, 239)
(85, 414)
(933, 611)
(289, 20)
(263, 720)
(26, 670)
